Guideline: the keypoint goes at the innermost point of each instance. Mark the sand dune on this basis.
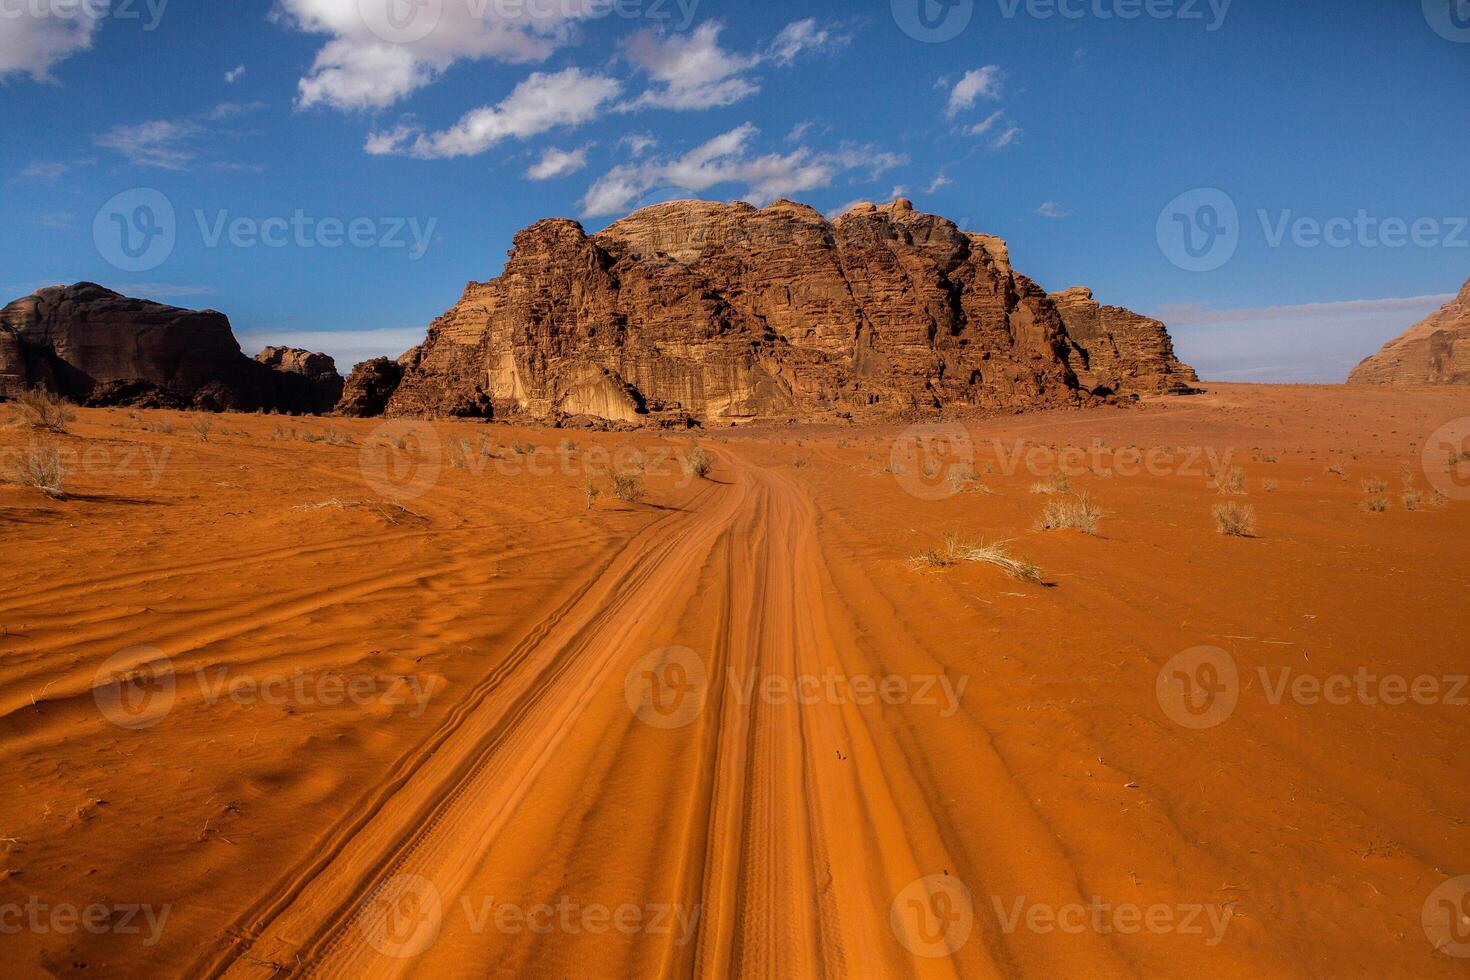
(436, 717)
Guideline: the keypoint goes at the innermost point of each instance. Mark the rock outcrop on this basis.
(1116, 350)
(96, 346)
(1435, 352)
(305, 383)
(369, 387)
(723, 312)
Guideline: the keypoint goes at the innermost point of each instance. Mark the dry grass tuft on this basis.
(1057, 484)
(1374, 486)
(1230, 480)
(202, 424)
(628, 487)
(699, 462)
(956, 550)
(1376, 504)
(1235, 520)
(44, 410)
(39, 467)
(1078, 513)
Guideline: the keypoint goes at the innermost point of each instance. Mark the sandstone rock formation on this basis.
(1117, 350)
(97, 346)
(305, 383)
(722, 312)
(369, 387)
(1436, 351)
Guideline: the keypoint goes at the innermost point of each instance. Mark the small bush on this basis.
(592, 491)
(801, 462)
(44, 410)
(1412, 500)
(699, 463)
(1079, 513)
(202, 424)
(628, 487)
(1376, 505)
(1374, 486)
(956, 550)
(1235, 520)
(1269, 486)
(40, 468)
(1057, 484)
(1230, 481)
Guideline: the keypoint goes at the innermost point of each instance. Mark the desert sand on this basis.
(292, 712)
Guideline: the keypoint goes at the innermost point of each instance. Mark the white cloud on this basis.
(235, 74)
(1053, 209)
(637, 144)
(49, 171)
(348, 348)
(557, 163)
(803, 35)
(985, 125)
(178, 144)
(1317, 343)
(937, 183)
(1006, 138)
(358, 68)
(538, 104)
(692, 71)
(163, 143)
(979, 83)
(727, 159)
(32, 45)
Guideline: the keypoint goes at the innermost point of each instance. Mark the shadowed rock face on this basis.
(724, 312)
(1436, 351)
(1117, 350)
(305, 383)
(94, 345)
(369, 387)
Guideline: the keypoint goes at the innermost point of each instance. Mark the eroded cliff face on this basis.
(1117, 350)
(723, 312)
(97, 346)
(1436, 351)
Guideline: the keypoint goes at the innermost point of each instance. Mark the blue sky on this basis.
(1119, 144)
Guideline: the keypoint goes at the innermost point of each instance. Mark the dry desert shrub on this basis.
(44, 410)
(956, 550)
(39, 467)
(592, 491)
(1230, 480)
(800, 462)
(202, 424)
(1057, 484)
(1269, 486)
(1077, 513)
(1376, 504)
(698, 463)
(628, 487)
(1412, 500)
(1235, 520)
(1374, 486)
